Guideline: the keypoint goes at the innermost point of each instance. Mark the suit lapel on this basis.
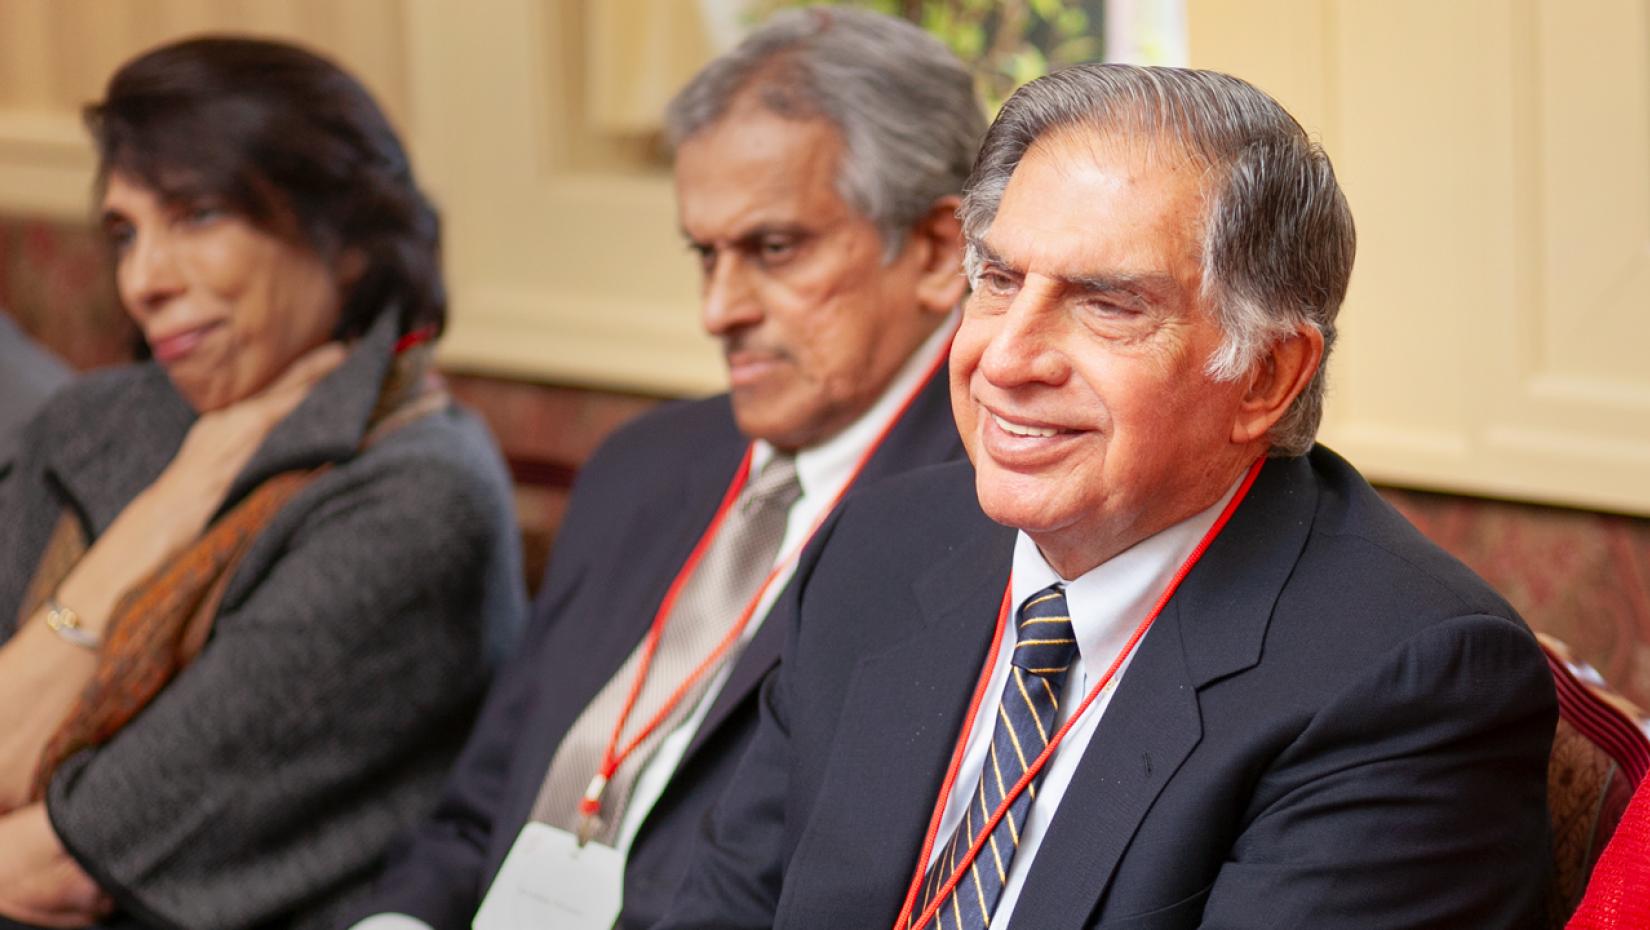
(924, 435)
(758, 657)
(901, 715)
(1214, 627)
(619, 630)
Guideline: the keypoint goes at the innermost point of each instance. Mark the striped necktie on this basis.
(1027, 718)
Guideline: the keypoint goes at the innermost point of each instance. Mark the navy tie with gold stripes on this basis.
(1027, 718)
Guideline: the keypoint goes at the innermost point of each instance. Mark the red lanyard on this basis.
(903, 921)
(615, 755)
(417, 337)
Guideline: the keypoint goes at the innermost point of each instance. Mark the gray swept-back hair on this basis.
(905, 106)
(1278, 239)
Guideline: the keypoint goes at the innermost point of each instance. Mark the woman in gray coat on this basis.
(249, 588)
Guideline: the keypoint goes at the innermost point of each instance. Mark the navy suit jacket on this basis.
(1332, 725)
(637, 510)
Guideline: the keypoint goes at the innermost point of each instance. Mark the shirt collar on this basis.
(1108, 601)
(824, 468)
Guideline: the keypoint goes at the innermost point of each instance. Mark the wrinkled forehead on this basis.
(1148, 144)
(1106, 178)
(754, 163)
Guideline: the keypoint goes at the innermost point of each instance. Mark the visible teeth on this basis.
(1015, 429)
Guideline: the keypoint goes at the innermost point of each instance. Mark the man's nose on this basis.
(149, 274)
(1026, 346)
(729, 296)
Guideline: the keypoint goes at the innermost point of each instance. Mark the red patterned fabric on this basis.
(1618, 897)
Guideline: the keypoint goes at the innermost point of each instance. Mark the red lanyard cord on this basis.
(961, 868)
(615, 755)
(612, 757)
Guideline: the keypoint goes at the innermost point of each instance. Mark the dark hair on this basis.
(292, 142)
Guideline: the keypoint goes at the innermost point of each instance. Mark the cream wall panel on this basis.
(641, 51)
(562, 250)
(25, 68)
(1595, 189)
(56, 55)
(1496, 154)
(564, 256)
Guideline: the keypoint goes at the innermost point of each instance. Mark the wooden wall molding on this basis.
(564, 257)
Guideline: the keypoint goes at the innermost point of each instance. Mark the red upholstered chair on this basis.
(1600, 755)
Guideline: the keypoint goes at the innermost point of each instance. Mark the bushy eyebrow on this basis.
(751, 237)
(1144, 286)
(978, 253)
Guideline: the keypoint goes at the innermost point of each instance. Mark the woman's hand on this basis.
(173, 511)
(41, 675)
(39, 882)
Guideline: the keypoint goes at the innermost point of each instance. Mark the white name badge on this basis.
(548, 881)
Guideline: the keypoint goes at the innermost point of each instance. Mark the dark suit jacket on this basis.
(637, 510)
(1332, 725)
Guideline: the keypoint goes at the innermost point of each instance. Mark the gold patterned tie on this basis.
(733, 567)
(1027, 718)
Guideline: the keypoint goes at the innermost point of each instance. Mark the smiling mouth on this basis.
(1024, 430)
(176, 345)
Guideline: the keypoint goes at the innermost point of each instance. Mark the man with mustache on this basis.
(818, 173)
(1157, 660)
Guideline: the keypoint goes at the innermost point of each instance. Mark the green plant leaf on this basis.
(1048, 10)
(1075, 51)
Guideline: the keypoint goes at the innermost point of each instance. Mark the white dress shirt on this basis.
(1106, 603)
(823, 471)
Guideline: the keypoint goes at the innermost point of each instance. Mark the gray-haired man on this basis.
(1156, 660)
(818, 172)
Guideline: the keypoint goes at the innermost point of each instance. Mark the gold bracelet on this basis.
(67, 624)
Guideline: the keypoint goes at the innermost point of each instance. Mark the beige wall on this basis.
(1496, 153)
(528, 125)
(55, 56)
(1497, 157)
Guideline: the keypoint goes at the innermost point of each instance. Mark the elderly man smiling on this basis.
(1156, 660)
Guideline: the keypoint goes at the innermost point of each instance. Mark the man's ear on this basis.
(1275, 380)
(935, 243)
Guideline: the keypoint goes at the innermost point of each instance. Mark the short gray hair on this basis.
(1278, 240)
(905, 106)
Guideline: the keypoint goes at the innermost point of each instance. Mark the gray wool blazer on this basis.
(347, 660)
